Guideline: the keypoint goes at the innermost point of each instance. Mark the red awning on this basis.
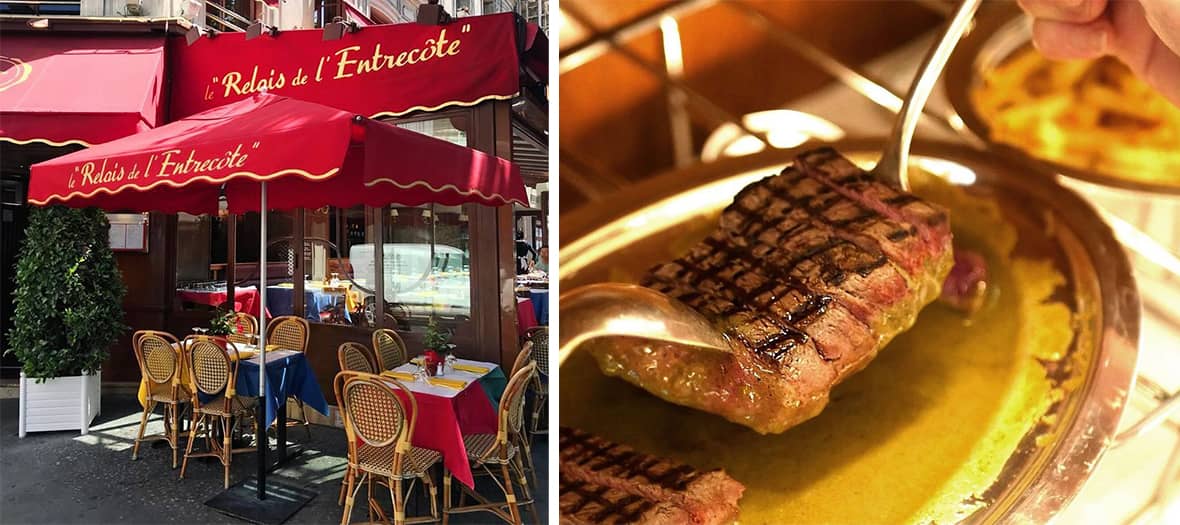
(381, 70)
(310, 155)
(536, 53)
(391, 165)
(261, 138)
(60, 89)
(355, 15)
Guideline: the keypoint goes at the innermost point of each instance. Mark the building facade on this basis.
(454, 264)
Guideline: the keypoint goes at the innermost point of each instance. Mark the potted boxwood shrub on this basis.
(68, 312)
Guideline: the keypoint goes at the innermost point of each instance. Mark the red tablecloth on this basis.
(245, 299)
(442, 423)
(526, 315)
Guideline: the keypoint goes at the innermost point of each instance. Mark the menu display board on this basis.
(129, 232)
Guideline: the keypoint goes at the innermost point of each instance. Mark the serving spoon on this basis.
(892, 167)
(624, 310)
(628, 310)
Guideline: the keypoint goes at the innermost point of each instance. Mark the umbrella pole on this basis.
(262, 440)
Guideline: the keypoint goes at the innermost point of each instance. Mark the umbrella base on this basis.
(282, 501)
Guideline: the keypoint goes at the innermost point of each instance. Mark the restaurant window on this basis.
(201, 246)
(56, 8)
(202, 256)
(448, 129)
(341, 282)
(427, 266)
(429, 274)
(229, 15)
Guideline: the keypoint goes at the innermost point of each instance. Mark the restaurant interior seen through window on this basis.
(425, 253)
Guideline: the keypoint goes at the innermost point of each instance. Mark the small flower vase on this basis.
(430, 362)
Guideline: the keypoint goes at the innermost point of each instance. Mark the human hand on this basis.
(1144, 34)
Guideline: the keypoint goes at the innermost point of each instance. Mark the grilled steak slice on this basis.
(584, 503)
(810, 273)
(604, 482)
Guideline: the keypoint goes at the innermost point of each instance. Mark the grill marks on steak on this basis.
(604, 482)
(810, 273)
(829, 167)
(584, 503)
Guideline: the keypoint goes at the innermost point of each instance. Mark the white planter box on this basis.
(63, 403)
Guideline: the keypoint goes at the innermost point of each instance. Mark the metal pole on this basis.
(262, 442)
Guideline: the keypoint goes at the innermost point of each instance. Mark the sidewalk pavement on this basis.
(63, 477)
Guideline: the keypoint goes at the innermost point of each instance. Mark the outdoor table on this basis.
(245, 299)
(281, 300)
(445, 415)
(540, 300)
(288, 374)
(526, 315)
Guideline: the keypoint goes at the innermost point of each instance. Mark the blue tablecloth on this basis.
(540, 300)
(286, 376)
(280, 300)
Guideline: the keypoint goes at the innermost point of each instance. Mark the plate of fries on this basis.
(1087, 119)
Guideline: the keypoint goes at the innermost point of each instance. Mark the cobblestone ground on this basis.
(63, 477)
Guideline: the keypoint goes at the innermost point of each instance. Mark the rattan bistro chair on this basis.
(504, 448)
(290, 333)
(390, 349)
(355, 357)
(245, 329)
(158, 354)
(213, 369)
(287, 333)
(379, 429)
(523, 358)
(539, 337)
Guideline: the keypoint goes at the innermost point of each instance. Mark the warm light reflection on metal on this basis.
(953, 172)
(582, 56)
(875, 92)
(1141, 243)
(784, 129)
(658, 216)
(623, 33)
(678, 121)
(746, 145)
(640, 327)
(673, 56)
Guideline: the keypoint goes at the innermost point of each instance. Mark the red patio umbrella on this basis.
(309, 154)
(272, 152)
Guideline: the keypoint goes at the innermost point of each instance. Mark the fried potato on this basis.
(1087, 114)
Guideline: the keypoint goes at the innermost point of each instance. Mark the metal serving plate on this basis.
(1055, 457)
(1001, 29)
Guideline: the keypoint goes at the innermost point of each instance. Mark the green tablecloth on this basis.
(493, 384)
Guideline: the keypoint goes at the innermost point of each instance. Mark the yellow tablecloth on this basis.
(160, 389)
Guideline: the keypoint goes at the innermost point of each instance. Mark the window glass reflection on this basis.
(334, 292)
(427, 266)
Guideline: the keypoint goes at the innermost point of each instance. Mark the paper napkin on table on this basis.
(449, 383)
(400, 376)
(244, 354)
(471, 368)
